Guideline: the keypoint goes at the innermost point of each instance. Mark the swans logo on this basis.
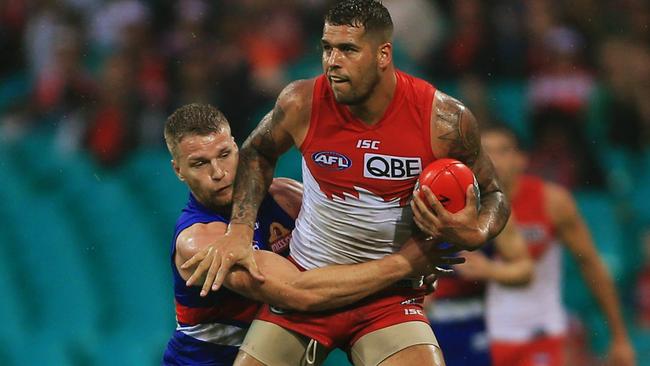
(331, 160)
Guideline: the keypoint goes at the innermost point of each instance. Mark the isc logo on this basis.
(390, 167)
(331, 160)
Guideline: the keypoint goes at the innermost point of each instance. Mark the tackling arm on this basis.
(318, 289)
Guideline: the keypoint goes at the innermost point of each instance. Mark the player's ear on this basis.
(385, 55)
(177, 170)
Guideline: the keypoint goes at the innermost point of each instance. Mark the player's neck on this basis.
(373, 109)
(223, 211)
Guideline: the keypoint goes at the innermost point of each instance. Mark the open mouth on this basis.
(338, 79)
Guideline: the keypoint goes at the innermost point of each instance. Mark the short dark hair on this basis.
(371, 14)
(193, 119)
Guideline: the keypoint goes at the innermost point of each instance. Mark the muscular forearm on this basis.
(318, 289)
(257, 160)
(254, 176)
(597, 277)
(493, 214)
(336, 286)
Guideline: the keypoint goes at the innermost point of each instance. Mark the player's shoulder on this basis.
(295, 102)
(559, 201)
(454, 129)
(297, 94)
(555, 192)
(287, 193)
(196, 237)
(445, 103)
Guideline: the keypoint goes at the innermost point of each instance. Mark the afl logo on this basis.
(331, 160)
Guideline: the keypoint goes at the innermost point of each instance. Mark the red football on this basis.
(448, 180)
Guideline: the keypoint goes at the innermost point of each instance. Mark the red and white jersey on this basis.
(521, 313)
(358, 179)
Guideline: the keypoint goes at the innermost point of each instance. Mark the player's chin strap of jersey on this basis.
(310, 353)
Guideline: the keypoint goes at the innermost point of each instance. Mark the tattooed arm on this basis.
(455, 134)
(281, 128)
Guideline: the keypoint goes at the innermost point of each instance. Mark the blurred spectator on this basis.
(418, 27)
(270, 42)
(112, 18)
(624, 104)
(559, 93)
(562, 81)
(113, 123)
(40, 35)
(189, 30)
(194, 78)
(468, 45)
(510, 38)
(13, 19)
(64, 85)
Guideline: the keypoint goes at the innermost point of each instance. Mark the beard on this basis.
(360, 94)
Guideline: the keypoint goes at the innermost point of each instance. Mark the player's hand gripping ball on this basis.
(448, 180)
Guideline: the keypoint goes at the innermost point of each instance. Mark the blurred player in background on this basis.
(527, 325)
(211, 328)
(457, 308)
(365, 131)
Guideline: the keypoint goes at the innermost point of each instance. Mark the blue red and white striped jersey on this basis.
(210, 329)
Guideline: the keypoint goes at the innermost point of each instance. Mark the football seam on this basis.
(444, 169)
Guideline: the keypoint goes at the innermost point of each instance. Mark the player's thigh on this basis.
(398, 344)
(270, 344)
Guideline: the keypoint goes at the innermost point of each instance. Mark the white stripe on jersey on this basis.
(347, 231)
(216, 333)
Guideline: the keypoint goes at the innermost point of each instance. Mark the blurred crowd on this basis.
(107, 73)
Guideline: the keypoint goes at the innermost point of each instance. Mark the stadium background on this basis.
(88, 198)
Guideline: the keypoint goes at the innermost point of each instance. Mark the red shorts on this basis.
(546, 351)
(343, 327)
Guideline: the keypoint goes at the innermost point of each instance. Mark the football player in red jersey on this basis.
(527, 325)
(211, 328)
(365, 130)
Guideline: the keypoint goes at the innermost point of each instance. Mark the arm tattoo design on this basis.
(458, 130)
(257, 160)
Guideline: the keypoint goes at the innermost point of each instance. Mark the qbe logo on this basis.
(331, 160)
(390, 167)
